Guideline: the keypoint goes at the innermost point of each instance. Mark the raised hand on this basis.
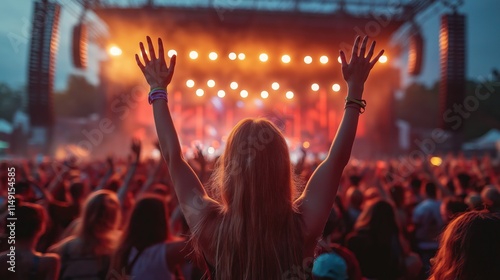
(155, 69)
(136, 147)
(356, 71)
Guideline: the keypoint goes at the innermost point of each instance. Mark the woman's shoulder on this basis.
(65, 244)
(49, 260)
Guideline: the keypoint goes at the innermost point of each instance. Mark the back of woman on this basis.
(376, 243)
(146, 250)
(87, 254)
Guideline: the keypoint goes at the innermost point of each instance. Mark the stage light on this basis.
(323, 59)
(200, 92)
(263, 57)
(211, 150)
(336, 87)
(244, 93)
(241, 56)
(286, 58)
(190, 83)
(213, 56)
(211, 83)
(315, 87)
(383, 59)
(436, 161)
(171, 53)
(308, 60)
(193, 55)
(115, 51)
(306, 145)
(339, 59)
(289, 94)
(234, 85)
(264, 94)
(275, 86)
(232, 56)
(221, 93)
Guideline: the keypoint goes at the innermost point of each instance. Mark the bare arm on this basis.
(318, 197)
(190, 192)
(136, 149)
(107, 175)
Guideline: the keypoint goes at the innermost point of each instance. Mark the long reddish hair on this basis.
(257, 232)
(470, 248)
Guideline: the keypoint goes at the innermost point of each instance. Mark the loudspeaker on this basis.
(80, 46)
(452, 55)
(41, 68)
(415, 56)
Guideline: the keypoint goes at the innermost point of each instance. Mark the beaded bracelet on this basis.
(358, 102)
(156, 94)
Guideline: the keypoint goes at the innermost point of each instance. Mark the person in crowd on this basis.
(428, 224)
(147, 249)
(451, 208)
(334, 261)
(379, 245)
(474, 201)
(29, 264)
(491, 199)
(88, 253)
(256, 226)
(398, 196)
(354, 199)
(470, 248)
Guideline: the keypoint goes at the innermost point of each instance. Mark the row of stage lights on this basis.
(244, 93)
(263, 57)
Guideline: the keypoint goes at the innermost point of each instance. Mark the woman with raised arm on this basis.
(256, 226)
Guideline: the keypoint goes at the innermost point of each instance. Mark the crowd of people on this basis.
(109, 219)
(250, 213)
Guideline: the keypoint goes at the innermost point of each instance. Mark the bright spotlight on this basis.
(263, 57)
(308, 60)
(213, 56)
(193, 55)
(211, 83)
(115, 51)
(171, 53)
(234, 85)
(244, 94)
(232, 56)
(306, 145)
(289, 94)
(211, 150)
(286, 58)
(190, 83)
(383, 59)
(275, 86)
(336, 87)
(221, 93)
(323, 59)
(200, 92)
(241, 56)
(339, 59)
(436, 161)
(264, 94)
(315, 87)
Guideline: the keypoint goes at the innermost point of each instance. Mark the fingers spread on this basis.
(370, 52)
(363, 47)
(372, 63)
(151, 48)
(139, 63)
(355, 47)
(143, 53)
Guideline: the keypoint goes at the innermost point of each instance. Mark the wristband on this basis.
(157, 93)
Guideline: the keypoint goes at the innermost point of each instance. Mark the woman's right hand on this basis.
(155, 69)
(357, 70)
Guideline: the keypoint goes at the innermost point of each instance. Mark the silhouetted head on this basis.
(354, 197)
(431, 190)
(32, 219)
(470, 248)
